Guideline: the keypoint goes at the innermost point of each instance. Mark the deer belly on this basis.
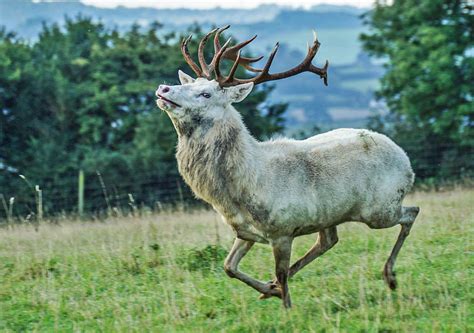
(303, 218)
(290, 220)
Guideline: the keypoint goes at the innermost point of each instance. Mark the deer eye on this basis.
(205, 95)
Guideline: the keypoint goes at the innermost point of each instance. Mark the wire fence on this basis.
(102, 194)
(107, 193)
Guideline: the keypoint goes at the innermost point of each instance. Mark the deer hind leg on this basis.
(327, 238)
(406, 221)
(231, 263)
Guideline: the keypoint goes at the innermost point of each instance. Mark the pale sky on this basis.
(222, 3)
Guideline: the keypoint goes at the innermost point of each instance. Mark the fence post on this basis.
(80, 193)
(39, 202)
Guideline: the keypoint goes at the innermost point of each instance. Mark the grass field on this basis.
(162, 272)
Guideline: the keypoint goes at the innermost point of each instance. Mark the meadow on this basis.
(162, 272)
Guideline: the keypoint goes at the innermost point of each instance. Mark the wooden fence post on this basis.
(39, 202)
(80, 193)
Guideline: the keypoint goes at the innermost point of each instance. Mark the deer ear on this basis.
(184, 78)
(238, 93)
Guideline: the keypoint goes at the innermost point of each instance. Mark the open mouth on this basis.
(167, 100)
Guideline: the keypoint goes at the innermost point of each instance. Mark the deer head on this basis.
(212, 93)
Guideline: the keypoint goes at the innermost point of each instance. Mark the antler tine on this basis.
(217, 45)
(230, 77)
(322, 72)
(217, 51)
(216, 61)
(187, 57)
(269, 61)
(202, 60)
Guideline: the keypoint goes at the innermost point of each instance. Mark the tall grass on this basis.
(162, 272)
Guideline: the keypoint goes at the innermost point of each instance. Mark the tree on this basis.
(428, 85)
(82, 97)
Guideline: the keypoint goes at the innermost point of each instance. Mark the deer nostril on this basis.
(165, 89)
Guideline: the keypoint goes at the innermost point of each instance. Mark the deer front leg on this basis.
(326, 240)
(282, 254)
(231, 263)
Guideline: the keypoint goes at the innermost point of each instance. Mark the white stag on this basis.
(271, 192)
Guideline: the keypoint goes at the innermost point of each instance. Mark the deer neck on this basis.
(216, 157)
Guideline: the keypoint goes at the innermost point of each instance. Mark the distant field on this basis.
(363, 85)
(162, 273)
(338, 114)
(339, 45)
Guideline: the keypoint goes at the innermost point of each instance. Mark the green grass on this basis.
(163, 273)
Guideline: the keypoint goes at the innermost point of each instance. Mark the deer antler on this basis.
(234, 53)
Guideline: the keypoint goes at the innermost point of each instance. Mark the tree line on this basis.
(81, 97)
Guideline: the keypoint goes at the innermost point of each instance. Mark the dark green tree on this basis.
(82, 97)
(428, 85)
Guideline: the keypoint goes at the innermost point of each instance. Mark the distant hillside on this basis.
(338, 26)
(352, 76)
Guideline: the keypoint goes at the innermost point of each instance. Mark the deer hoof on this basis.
(390, 279)
(272, 290)
(273, 293)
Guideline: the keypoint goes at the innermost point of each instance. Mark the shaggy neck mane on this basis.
(217, 157)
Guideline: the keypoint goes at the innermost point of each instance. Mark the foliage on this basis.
(112, 276)
(427, 86)
(206, 259)
(82, 97)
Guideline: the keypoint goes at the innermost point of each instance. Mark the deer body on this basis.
(273, 191)
(266, 190)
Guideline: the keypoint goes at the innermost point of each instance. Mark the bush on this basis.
(208, 259)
